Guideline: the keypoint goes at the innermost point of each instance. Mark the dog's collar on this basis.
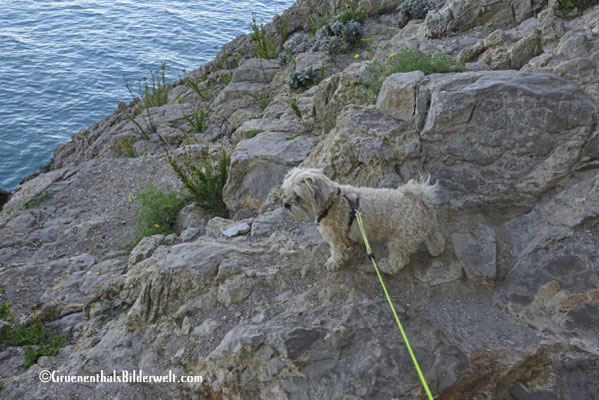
(324, 214)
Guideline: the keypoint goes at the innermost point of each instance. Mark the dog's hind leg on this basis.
(397, 260)
(435, 242)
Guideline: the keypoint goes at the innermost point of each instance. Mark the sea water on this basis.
(63, 64)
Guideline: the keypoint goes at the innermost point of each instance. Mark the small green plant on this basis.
(147, 128)
(295, 108)
(407, 60)
(327, 124)
(158, 211)
(415, 9)
(368, 43)
(48, 346)
(226, 78)
(316, 19)
(154, 91)
(204, 180)
(283, 28)
(382, 9)
(125, 147)
(351, 12)
(262, 100)
(206, 93)
(253, 132)
(199, 122)
(300, 78)
(37, 341)
(566, 5)
(38, 199)
(6, 313)
(22, 335)
(263, 46)
(223, 62)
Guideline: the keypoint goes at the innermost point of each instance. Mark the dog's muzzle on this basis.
(287, 206)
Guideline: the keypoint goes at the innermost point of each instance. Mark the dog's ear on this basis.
(321, 188)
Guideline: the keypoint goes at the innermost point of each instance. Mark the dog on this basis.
(404, 217)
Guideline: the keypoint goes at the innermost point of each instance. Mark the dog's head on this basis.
(305, 190)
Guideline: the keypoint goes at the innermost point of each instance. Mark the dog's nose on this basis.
(287, 205)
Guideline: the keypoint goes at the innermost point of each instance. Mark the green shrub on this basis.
(351, 12)
(566, 5)
(158, 211)
(34, 337)
(22, 335)
(204, 180)
(407, 60)
(199, 122)
(264, 47)
(416, 9)
(48, 346)
(6, 313)
(126, 147)
(295, 108)
(300, 78)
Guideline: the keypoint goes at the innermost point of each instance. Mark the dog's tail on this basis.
(422, 188)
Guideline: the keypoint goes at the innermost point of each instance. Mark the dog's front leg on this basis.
(339, 252)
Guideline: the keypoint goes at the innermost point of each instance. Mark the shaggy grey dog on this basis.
(404, 217)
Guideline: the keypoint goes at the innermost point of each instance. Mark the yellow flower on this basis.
(129, 197)
(361, 105)
(357, 56)
(157, 226)
(392, 54)
(97, 273)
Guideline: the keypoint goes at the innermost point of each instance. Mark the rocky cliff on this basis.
(509, 311)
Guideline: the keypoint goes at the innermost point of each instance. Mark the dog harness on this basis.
(324, 214)
(354, 209)
(353, 205)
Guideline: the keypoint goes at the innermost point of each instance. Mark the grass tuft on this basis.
(158, 211)
(153, 93)
(126, 147)
(6, 313)
(38, 199)
(253, 133)
(295, 108)
(204, 180)
(407, 60)
(206, 94)
(264, 47)
(36, 339)
(199, 122)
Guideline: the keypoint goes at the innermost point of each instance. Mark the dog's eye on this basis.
(297, 198)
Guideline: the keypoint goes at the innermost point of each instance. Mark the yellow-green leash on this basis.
(405, 338)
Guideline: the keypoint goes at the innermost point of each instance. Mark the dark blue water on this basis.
(62, 62)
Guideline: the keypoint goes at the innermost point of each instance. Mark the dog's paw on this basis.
(390, 266)
(332, 265)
